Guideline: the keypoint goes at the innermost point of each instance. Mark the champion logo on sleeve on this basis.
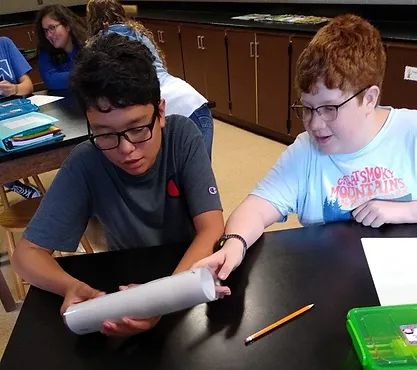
(212, 190)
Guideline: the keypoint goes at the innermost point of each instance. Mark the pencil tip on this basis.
(311, 305)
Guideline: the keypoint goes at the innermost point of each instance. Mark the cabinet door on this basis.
(273, 80)
(400, 84)
(23, 36)
(298, 44)
(194, 62)
(205, 63)
(167, 36)
(241, 54)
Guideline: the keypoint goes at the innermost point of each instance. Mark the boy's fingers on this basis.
(225, 270)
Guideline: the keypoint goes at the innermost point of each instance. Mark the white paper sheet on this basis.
(158, 297)
(44, 99)
(392, 262)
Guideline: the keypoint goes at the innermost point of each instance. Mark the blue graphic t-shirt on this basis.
(326, 188)
(13, 64)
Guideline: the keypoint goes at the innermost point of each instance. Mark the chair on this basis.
(6, 297)
(15, 218)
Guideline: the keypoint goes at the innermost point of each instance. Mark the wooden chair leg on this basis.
(39, 184)
(3, 196)
(6, 297)
(86, 244)
(11, 246)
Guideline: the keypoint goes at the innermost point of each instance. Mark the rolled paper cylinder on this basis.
(155, 298)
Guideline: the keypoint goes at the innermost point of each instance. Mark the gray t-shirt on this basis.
(136, 211)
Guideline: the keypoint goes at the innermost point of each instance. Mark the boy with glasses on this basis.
(146, 177)
(356, 160)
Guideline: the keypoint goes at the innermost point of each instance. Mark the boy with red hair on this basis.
(356, 160)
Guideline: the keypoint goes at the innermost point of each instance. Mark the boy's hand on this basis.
(129, 325)
(7, 88)
(79, 293)
(222, 263)
(375, 213)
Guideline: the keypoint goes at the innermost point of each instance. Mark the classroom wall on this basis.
(17, 6)
(374, 2)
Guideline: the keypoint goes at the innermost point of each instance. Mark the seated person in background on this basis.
(61, 34)
(356, 159)
(14, 81)
(180, 97)
(146, 177)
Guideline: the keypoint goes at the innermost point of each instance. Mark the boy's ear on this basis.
(371, 97)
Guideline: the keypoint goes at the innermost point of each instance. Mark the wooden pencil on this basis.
(274, 325)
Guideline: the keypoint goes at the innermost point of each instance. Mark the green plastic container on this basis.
(384, 337)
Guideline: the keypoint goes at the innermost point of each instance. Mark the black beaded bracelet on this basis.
(225, 237)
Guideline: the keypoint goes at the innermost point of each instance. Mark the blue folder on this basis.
(16, 107)
(15, 130)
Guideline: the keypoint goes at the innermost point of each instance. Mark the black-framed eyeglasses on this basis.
(134, 135)
(327, 112)
(51, 28)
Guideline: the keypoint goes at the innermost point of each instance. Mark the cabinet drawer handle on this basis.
(202, 43)
(162, 37)
(251, 53)
(29, 35)
(198, 42)
(256, 50)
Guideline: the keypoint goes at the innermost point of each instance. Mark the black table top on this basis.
(284, 271)
(71, 120)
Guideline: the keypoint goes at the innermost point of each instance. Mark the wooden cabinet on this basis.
(400, 83)
(167, 36)
(298, 44)
(258, 71)
(273, 81)
(25, 39)
(205, 63)
(23, 36)
(242, 77)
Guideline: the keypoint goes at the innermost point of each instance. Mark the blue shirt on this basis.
(324, 188)
(56, 76)
(13, 64)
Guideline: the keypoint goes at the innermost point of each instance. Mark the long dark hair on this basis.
(100, 12)
(66, 18)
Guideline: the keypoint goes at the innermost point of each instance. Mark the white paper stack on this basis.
(392, 263)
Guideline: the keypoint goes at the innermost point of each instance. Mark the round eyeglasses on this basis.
(51, 28)
(326, 112)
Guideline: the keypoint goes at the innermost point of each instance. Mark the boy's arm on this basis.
(375, 213)
(22, 88)
(25, 86)
(248, 220)
(209, 227)
(38, 267)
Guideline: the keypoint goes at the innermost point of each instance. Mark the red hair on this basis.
(347, 54)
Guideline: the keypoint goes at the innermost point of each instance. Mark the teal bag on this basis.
(16, 107)
(27, 131)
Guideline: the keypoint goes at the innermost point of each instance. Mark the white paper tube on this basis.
(158, 297)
